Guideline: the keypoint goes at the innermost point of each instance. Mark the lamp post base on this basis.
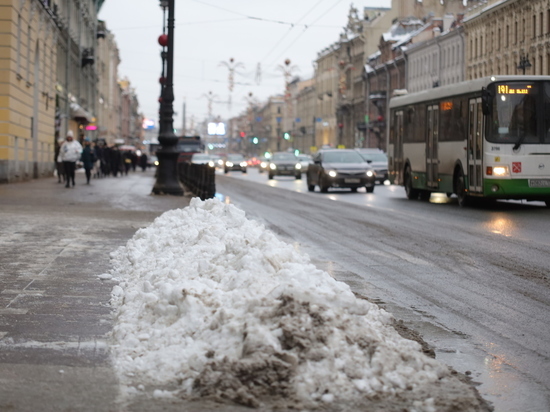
(167, 174)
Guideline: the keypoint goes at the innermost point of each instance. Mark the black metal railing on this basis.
(199, 179)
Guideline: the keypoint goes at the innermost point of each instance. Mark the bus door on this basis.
(432, 156)
(475, 144)
(397, 166)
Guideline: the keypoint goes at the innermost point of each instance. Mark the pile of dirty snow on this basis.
(212, 304)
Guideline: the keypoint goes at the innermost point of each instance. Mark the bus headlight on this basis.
(500, 171)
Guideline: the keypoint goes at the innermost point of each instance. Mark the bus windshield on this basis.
(519, 113)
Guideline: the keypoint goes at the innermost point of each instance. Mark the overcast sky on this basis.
(208, 32)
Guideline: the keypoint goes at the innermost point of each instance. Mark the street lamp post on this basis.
(167, 174)
(524, 63)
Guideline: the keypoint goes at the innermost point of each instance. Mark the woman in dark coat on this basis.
(88, 158)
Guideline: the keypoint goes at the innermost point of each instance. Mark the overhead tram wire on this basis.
(301, 34)
(288, 32)
(292, 25)
(245, 15)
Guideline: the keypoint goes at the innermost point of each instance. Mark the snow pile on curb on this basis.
(212, 304)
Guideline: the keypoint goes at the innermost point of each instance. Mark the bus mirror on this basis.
(486, 100)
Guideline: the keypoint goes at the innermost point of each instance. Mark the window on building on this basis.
(481, 46)
(18, 62)
(541, 25)
(523, 31)
(516, 32)
(500, 36)
(507, 36)
(29, 53)
(540, 65)
(534, 26)
(44, 65)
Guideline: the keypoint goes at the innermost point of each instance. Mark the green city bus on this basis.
(487, 138)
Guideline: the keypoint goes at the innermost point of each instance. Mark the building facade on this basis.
(58, 72)
(27, 89)
(508, 38)
(108, 90)
(76, 84)
(436, 62)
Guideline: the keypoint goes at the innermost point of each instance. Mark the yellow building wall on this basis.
(27, 80)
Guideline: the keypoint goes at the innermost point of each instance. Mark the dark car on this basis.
(284, 164)
(343, 168)
(378, 160)
(234, 162)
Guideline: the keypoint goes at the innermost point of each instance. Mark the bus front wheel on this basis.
(460, 189)
(411, 193)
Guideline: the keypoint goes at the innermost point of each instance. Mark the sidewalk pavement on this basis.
(54, 311)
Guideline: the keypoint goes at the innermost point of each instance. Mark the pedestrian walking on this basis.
(116, 164)
(143, 162)
(70, 152)
(88, 158)
(127, 158)
(60, 170)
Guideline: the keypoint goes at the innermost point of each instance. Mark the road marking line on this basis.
(11, 311)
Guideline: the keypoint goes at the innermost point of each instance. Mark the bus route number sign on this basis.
(506, 89)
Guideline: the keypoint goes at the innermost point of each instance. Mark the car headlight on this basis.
(263, 165)
(211, 163)
(298, 166)
(229, 164)
(220, 162)
(244, 164)
(156, 162)
(370, 173)
(332, 173)
(272, 166)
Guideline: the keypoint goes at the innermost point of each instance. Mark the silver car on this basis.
(305, 160)
(378, 160)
